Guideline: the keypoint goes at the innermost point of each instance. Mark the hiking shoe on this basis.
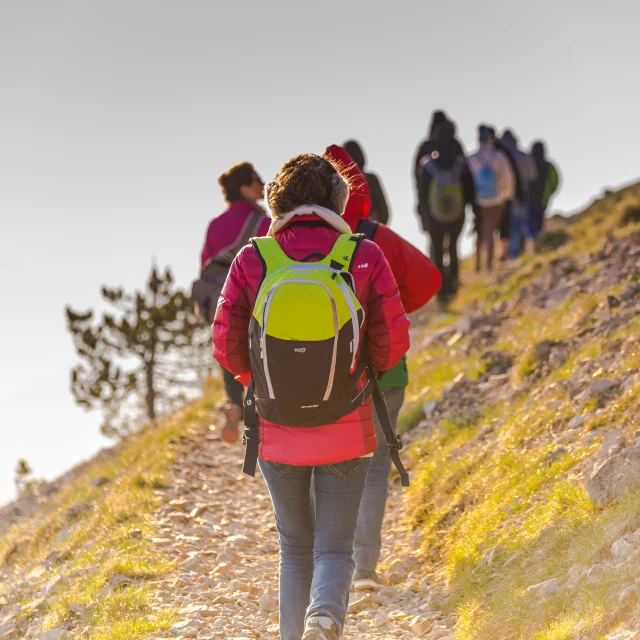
(366, 580)
(320, 628)
(233, 415)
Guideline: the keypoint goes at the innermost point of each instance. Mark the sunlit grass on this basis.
(522, 491)
(98, 543)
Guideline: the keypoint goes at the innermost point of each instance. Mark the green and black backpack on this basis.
(304, 335)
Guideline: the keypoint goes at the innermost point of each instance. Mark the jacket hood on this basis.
(359, 203)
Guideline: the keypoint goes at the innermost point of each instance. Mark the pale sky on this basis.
(117, 116)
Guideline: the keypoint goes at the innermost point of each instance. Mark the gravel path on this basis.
(218, 527)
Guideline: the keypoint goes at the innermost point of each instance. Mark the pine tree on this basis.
(25, 485)
(142, 360)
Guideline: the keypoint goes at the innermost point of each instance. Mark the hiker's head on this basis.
(356, 153)
(241, 182)
(538, 150)
(445, 142)
(307, 179)
(438, 118)
(486, 135)
(509, 139)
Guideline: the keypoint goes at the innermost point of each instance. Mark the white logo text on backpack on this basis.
(300, 349)
(364, 265)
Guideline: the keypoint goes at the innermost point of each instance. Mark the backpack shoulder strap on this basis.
(271, 254)
(432, 168)
(458, 167)
(344, 249)
(249, 229)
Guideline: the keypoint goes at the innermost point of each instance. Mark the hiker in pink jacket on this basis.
(226, 235)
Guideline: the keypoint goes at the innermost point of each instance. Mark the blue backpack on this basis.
(486, 182)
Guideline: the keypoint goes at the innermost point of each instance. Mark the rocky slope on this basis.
(523, 519)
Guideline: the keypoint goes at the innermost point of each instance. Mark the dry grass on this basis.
(97, 544)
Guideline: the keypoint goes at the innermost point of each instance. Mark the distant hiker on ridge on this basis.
(445, 189)
(379, 207)
(542, 188)
(226, 235)
(495, 186)
(526, 171)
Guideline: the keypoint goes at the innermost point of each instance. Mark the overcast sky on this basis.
(118, 116)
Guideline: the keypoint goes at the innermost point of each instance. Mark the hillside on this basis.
(522, 522)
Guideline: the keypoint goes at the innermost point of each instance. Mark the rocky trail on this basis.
(218, 527)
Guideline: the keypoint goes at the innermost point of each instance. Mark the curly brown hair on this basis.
(307, 179)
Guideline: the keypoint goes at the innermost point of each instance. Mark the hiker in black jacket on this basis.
(445, 188)
(379, 208)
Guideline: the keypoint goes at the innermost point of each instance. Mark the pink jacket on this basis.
(386, 327)
(225, 228)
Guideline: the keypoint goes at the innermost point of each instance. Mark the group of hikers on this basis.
(308, 299)
(507, 188)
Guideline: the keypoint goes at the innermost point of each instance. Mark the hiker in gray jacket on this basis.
(495, 186)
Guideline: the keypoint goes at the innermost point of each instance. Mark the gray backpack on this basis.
(206, 290)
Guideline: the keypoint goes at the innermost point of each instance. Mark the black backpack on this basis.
(367, 228)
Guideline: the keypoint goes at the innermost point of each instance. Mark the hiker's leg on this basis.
(368, 543)
(289, 488)
(338, 491)
(518, 220)
(492, 223)
(505, 231)
(454, 234)
(233, 388)
(436, 232)
(536, 219)
(481, 237)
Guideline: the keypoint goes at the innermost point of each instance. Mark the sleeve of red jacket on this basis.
(417, 277)
(387, 324)
(230, 330)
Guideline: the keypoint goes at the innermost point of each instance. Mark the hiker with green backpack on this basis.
(313, 313)
(445, 188)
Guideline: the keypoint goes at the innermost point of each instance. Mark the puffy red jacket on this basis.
(386, 328)
(417, 277)
(225, 228)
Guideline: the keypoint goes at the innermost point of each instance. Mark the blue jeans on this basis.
(368, 542)
(519, 227)
(316, 538)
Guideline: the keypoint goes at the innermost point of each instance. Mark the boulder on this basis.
(629, 595)
(546, 588)
(621, 549)
(614, 477)
(601, 386)
(612, 443)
